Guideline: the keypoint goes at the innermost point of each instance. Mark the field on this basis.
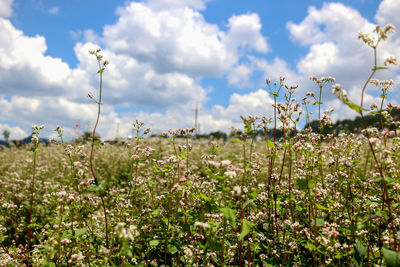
(302, 199)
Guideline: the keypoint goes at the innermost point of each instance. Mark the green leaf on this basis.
(246, 228)
(302, 184)
(229, 215)
(320, 222)
(362, 250)
(310, 246)
(317, 103)
(382, 214)
(379, 68)
(156, 212)
(213, 244)
(354, 107)
(250, 201)
(172, 249)
(80, 232)
(322, 207)
(101, 71)
(204, 197)
(392, 257)
(186, 227)
(154, 243)
(375, 112)
(48, 263)
(237, 141)
(270, 143)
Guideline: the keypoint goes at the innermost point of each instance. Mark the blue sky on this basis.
(167, 56)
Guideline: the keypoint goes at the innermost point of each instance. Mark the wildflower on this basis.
(35, 140)
(231, 174)
(65, 241)
(312, 94)
(59, 130)
(225, 162)
(237, 191)
(374, 106)
(201, 225)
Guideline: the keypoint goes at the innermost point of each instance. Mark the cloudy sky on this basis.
(169, 56)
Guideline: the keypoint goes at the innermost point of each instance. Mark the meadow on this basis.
(304, 199)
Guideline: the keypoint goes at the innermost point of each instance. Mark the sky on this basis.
(168, 57)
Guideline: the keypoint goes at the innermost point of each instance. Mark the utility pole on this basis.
(117, 132)
(196, 124)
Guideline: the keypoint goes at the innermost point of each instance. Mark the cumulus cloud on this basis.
(170, 40)
(256, 103)
(334, 49)
(388, 12)
(216, 118)
(15, 132)
(244, 31)
(6, 8)
(240, 76)
(179, 39)
(25, 70)
(165, 4)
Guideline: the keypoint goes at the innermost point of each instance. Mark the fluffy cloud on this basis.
(217, 118)
(180, 40)
(165, 4)
(170, 40)
(244, 31)
(6, 8)
(240, 76)
(334, 50)
(24, 69)
(15, 132)
(388, 12)
(255, 103)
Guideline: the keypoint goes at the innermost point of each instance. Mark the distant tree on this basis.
(6, 134)
(219, 135)
(87, 136)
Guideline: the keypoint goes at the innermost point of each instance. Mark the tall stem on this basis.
(385, 195)
(93, 140)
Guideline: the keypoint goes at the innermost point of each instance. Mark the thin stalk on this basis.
(385, 197)
(31, 200)
(93, 140)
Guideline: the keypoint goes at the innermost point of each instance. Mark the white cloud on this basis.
(255, 103)
(16, 132)
(388, 12)
(320, 58)
(165, 4)
(180, 40)
(240, 76)
(6, 8)
(54, 10)
(334, 22)
(24, 69)
(170, 40)
(334, 49)
(244, 31)
(217, 118)
(127, 81)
